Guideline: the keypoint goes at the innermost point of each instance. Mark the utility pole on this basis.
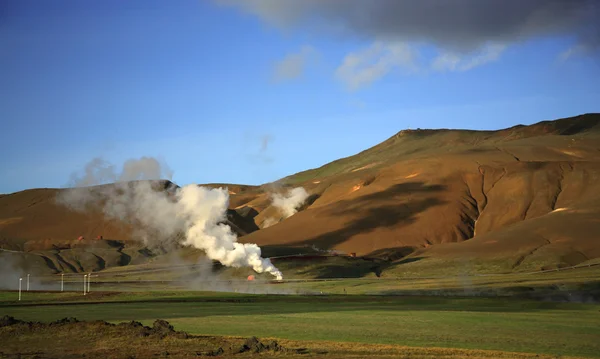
(84, 284)
(20, 281)
(62, 282)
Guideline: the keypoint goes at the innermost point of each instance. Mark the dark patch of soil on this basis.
(160, 328)
(254, 345)
(214, 353)
(148, 339)
(6, 321)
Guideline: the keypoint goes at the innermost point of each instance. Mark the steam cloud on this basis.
(15, 265)
(288, 204)
(98, 171)
(203, 210)
(161, 211)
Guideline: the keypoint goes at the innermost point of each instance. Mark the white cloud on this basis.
(294, 65)
(358, 104)
(573, 51)
(368, 65)
(452, 61)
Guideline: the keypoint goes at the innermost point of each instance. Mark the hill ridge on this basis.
(522, 198)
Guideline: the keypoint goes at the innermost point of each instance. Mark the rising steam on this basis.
(98, 171)
(160, 210)
(289, 203)
(204, 210)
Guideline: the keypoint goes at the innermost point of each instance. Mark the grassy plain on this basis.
(432, 315)
(503, 324)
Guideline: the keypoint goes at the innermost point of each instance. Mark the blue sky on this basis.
(224, 92)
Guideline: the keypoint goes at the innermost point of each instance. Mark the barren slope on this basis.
(526, 197)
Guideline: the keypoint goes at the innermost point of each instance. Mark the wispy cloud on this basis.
(294, 65)
(363, 67)
(262, 156)
(574, 51)
(358, 104)
(453, 61)
(264, 143)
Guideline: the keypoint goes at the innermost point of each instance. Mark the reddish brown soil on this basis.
(517, 193)
(529, 194)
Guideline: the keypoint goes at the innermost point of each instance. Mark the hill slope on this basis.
(39, 233)
(524, 198)
(527, 196)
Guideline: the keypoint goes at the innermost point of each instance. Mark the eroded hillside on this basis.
(526, 198)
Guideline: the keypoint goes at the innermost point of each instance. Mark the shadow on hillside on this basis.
(344, 267)
(367, 217)
(275, 250)
(375, 262)
(574, 125)
(391, 254)
(408, 260)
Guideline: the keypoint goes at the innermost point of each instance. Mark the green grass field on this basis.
(470, 323)
(420, 312)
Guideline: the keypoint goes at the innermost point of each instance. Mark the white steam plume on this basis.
(161, 214)
(205, 209)
(288, 204)
(98, 171)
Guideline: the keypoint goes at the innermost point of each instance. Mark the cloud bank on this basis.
(452, 24)
(465, 33)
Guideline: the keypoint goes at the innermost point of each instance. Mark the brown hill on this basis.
(527, 197)
(522, 198)
(38, 233)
